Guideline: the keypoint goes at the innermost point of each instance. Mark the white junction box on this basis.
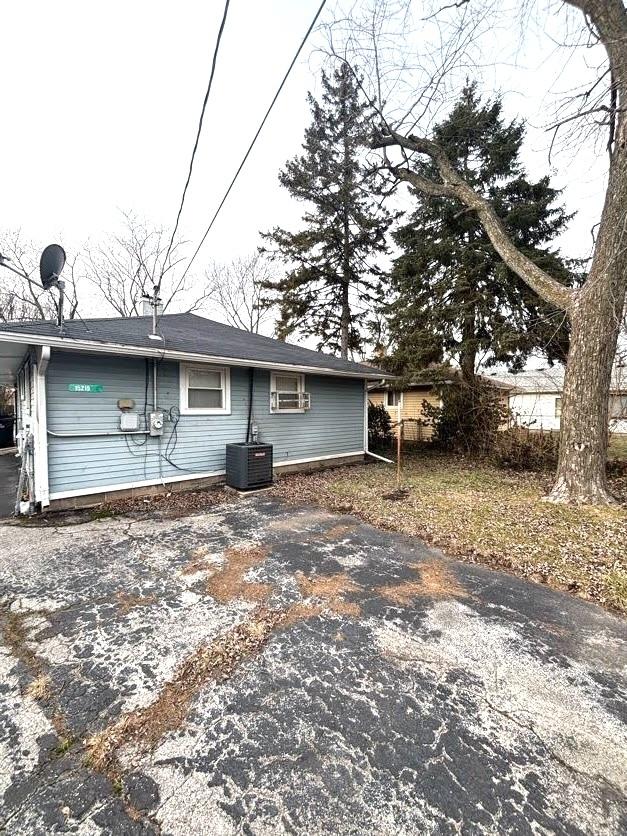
(156, 423)
(129, 422)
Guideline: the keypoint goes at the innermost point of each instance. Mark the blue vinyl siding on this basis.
(333, 425)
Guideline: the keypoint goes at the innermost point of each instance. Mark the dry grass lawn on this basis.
(485, 515)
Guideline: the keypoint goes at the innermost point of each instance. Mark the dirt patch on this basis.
(145, 728)
(15, 637)
(330, 589)
(228, 583)
(301, 611)
(198, 562)
(127, 601)
(297, 523)
(434, 580)
(338, 531)
(40, 688)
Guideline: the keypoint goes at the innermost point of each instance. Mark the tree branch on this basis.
(453, 185)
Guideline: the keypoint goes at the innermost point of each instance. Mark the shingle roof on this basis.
(550, 379)
(193, 334)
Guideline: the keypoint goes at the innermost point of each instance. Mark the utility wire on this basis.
(200, 121)
(256, 136)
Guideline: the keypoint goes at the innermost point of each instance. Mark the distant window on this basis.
(287, 393)
(393, 398)
(558, 407)
(205, 390)
(618, 406)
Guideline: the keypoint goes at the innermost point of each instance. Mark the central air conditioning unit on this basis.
(248, 466)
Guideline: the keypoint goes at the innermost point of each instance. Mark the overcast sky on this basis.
(100, 104)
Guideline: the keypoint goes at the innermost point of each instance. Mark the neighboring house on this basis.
(85, 397)
(535, 398)
(416, 426)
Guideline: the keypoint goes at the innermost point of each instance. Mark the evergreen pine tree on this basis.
(455, 298)
(334, 279)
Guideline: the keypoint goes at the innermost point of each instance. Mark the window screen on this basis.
(287, 383)
(287, 392)
(205, 389)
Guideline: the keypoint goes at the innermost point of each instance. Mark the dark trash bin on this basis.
(6, 430)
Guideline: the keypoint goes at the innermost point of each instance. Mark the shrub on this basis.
(469, 418)
(379, 426)
(524, 449)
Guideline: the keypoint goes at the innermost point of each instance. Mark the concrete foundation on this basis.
(94, 499)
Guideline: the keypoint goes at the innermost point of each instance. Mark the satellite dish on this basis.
(51, 264)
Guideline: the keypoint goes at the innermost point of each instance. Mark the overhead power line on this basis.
(200, 121)
(256, 136)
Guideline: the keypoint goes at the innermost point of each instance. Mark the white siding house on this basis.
(535, 398)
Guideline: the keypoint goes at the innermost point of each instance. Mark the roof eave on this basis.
(182, 356)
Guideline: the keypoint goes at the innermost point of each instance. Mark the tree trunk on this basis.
(345, 316)
(468, 353)
(595, 317)
(581, 474)
(345, 322)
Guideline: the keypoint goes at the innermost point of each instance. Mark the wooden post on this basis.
(399, 430)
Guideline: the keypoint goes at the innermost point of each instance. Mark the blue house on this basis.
(106, 408)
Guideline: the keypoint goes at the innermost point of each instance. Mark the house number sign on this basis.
(85, 387)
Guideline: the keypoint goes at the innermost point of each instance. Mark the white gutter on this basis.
(40, 435)
(381, 458)
(165, 354)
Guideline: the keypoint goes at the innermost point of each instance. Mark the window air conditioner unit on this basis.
(284, 401)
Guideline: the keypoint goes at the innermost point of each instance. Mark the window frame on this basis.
(301, 390)
(558, 407)
(394, 392)
(225, 379)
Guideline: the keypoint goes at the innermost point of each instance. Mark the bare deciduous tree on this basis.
(128, 265)
(236, 291)
(24, 298)
(595, 309)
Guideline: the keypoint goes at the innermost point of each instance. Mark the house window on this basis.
(287, 393)
(393, 399)
(205, 390)
(558, 407)
(618, 406)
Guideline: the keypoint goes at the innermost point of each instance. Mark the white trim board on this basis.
(68, 344)
(94, 490)
(40, 427)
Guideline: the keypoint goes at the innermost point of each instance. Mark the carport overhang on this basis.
(12, 353)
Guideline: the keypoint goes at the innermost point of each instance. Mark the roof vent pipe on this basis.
(147, 305)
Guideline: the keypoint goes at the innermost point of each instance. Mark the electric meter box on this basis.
(156, 423)
(129, 422)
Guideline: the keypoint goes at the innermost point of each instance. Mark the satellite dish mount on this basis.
(51, 266)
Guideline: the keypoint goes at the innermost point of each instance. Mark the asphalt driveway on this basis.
(267, 669)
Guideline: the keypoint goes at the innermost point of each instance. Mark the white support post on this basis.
(40, 428)
(365, 416)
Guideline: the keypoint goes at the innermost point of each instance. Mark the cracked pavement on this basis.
(407, 694)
